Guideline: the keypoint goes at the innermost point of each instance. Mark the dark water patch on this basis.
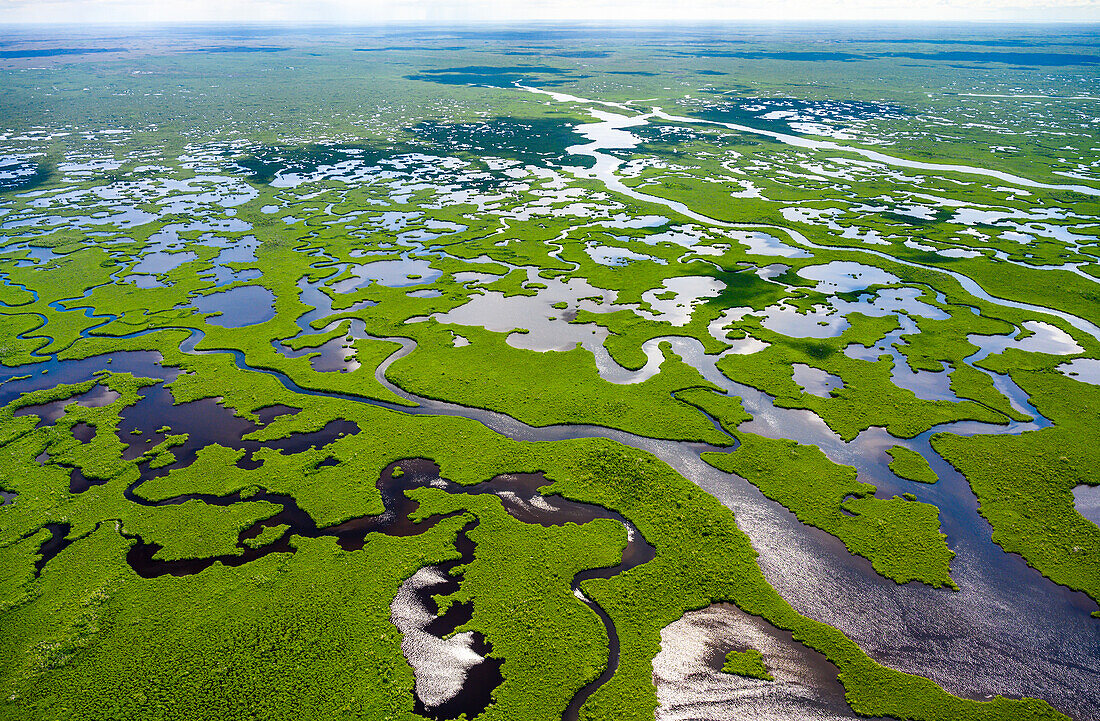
(267, 163)
(710, 72)
(83, 432)
(78, 482)
(351, 535)
(457, 613)
(497, 76)
(52, 545)
(238, 307)
(796, 55)
(25, 175)
(477, 691)
(52, 372)
(140, 556)
(778, 113)
(48, 413)
(51, 52)
(520, 496)
(241, 49)
(1018, 59)
(270, 413)
(206, 422)
(333, 356)
(581, 54)
(528, 140)
(481, 678)
(299, 442)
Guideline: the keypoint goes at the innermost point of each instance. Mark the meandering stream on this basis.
(1008, 630)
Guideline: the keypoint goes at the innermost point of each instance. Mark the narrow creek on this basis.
(1008, 631)
(997, 635)
(207, 422)
(965, 641)
(439, 693)
(609, 135)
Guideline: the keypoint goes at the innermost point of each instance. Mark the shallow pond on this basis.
(675, 300)
(760, 243)
(390, 273)
(845, 276)
(1086, 370)
(1041, 338)
(889, 301)
(814, 380)
(145, 282)
(820, 322)
(163, 261)
(1086, 499)
(691, 685)
(238, 307)
(612, 256)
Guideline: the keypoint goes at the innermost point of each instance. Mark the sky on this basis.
(375, 12)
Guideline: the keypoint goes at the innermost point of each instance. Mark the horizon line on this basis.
(574, 22)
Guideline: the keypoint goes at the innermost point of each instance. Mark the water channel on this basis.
(1007, 631)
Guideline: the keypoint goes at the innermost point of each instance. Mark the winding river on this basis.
(1008, 631)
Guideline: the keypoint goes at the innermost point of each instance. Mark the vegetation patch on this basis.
(748, 663)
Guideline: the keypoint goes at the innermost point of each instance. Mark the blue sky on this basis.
(466, 11)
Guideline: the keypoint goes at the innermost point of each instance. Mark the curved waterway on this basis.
(799, 141)
(206, 422)
(445, 687)
(923, 638)
(609, 134)
(1008, 631)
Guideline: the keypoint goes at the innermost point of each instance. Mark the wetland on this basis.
(571, 374)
